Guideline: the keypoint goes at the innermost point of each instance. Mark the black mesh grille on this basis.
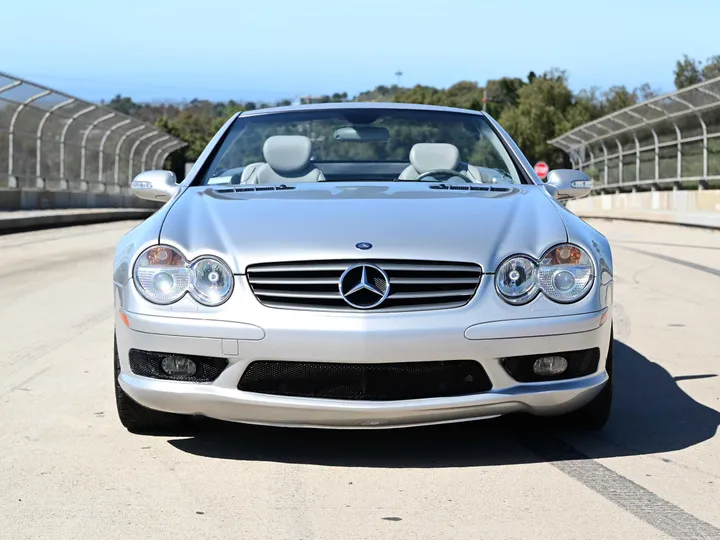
(580, 363)
(368, 382)
(147, 364)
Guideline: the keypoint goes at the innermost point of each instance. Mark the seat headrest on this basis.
(287, 153)
(425, 157)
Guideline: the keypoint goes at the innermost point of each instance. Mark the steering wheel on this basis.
(445, 172)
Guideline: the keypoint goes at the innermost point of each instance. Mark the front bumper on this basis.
(294, 336)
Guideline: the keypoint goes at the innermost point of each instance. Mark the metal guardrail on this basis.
(669, 140)
(51, 141)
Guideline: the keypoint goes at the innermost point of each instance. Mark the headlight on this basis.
(516, 279)
(565, 274)
(212, 281)
(163, 276)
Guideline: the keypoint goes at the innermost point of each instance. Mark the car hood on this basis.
(325, 221)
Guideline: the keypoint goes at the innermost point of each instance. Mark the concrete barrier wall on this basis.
(697, 208)
(26, 199)
(30, 220)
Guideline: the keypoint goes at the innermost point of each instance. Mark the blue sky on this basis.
(271, 49)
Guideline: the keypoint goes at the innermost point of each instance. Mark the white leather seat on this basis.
(287, 159)
(426, 157)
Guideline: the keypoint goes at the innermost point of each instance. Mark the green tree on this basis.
(541, 113)
(687, 72)
(465, 94)
(646, 92)
(124, 105)
(587, 107)
(618, 97)
(711, 70)
(420, 94)
(502, 93)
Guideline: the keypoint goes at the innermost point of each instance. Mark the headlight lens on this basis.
(212, 281)
(161, 275)
(516, 279)
(565, 274)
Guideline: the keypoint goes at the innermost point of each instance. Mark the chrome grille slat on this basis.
(296, 294)
(432, 281)
(348, 309)
(309, 267)
(427, 268)
(433, 294)
(413, 285)
(295, 281)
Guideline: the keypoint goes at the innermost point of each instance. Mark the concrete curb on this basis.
(704, 220)
(20, 221)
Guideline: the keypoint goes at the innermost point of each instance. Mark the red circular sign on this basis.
(542, 169)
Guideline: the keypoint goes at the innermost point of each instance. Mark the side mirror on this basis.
(566, 184)
(159, 186)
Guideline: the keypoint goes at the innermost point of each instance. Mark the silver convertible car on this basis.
(362, 265)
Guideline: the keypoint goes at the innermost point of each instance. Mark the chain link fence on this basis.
(670, 141)
(60, 151)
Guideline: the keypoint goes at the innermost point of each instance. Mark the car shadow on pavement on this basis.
(651, 414)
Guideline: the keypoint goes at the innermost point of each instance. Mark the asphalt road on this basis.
(69, 470)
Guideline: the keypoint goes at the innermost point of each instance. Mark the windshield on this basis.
(361, 144)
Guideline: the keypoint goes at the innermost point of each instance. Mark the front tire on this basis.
(595, 414)
(139, 419)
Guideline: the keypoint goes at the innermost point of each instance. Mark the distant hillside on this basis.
(533, 109)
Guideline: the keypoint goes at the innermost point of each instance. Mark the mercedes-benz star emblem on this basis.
(364, 286)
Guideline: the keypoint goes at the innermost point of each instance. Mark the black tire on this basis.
(595, 414)
(139, 419)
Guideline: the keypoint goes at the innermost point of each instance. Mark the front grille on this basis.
(414, 285)
(148, 364)
(367, 382)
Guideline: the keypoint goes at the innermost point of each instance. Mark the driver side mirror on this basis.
(158, 186)
(566, 184)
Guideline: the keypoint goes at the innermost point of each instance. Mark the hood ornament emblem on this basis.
(364, 286)
(363, 245)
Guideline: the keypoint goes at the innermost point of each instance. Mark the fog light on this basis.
(178, 365)
(548, 366)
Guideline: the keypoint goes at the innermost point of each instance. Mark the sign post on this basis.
(542, 169)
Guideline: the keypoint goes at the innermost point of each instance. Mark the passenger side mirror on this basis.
(566, 184)
(159, 186)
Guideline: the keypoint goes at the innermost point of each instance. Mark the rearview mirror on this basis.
(362, 134)
(566, 184)
(159, 186)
